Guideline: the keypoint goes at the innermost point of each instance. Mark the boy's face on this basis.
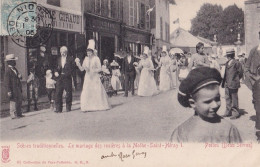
(207, 102)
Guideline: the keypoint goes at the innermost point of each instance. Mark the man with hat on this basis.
(231, 82)
(12, 82)
(128, 69)
(63, 72)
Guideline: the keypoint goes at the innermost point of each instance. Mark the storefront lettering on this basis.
(63, 20)
(103, 25)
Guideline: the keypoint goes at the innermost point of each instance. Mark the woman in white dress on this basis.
(174, 69)
(93, 96)
(165, 73)
(147, 85)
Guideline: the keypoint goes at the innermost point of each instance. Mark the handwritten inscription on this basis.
(122, 156)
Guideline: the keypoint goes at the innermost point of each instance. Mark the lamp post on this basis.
(238, 42)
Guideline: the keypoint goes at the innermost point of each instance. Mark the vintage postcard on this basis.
(130, 83)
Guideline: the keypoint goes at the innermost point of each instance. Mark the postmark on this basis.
(27, 25)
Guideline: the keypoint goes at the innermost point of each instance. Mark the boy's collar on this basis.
(216, 119)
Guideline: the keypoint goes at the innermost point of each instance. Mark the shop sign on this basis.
(103, 25)
(54, 51)
(63, 20)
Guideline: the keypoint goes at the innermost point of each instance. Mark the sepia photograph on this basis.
(130, 83)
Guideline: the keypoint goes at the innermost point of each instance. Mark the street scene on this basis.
(130, 70)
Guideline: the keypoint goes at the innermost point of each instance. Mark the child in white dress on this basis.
(115, 81)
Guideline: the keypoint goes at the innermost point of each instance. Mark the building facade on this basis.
(252, 24)
(160, 23)
(102, 21)
(116, 25)
(66, 31)
(136, 28)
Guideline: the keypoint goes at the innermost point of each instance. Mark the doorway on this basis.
(107, 48)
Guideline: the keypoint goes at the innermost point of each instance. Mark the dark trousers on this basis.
(231, 96)
(129, 82)
(51, 94)
(257, 109)
(61, 85)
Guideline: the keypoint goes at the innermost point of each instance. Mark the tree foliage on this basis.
(213, 20)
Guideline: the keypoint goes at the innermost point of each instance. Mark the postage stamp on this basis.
(27, 26)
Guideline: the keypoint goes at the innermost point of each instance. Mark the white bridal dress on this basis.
(147, 85)
(93, 96)
(165, 74)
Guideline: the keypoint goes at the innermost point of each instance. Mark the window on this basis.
(97, 6)
(142, 16)
(131, 12)
(54, 2)
(104, 7)
(114, 9)
(161, 27)
(147, 19)
(138, 11)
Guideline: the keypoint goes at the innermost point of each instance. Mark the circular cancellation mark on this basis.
(30, 25)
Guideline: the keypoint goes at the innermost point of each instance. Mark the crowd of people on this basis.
(196, 76)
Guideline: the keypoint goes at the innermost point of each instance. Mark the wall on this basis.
(252, 24)
(162, 10)
(66, 4)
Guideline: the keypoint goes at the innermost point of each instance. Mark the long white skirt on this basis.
(93, 96)
(165, 79)
(115, 82)
(147, 85)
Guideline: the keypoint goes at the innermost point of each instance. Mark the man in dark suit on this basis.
(231, 82)
(128, 69)
(63, 72)
(13, 86)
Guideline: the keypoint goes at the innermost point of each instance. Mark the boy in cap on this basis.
(12, 82)
(231, 83)
(200, 91)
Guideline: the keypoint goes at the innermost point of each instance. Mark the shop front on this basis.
(136, 39)
(106, 33)
(66, 31)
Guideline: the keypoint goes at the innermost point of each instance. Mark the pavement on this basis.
(131, 118)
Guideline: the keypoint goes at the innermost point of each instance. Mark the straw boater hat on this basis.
(10, 57)
(91, 45)
(230, 51)
(114, 63)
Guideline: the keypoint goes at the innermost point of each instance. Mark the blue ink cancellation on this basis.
(26, 23)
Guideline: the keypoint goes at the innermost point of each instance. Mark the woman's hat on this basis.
(114, 63)
(105, 60)
(213, 56)
(91, 45)
(10, 57)
(164, 48)
(197, 79)
(146, 50)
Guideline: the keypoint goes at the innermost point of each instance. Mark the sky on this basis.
(186, 10)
